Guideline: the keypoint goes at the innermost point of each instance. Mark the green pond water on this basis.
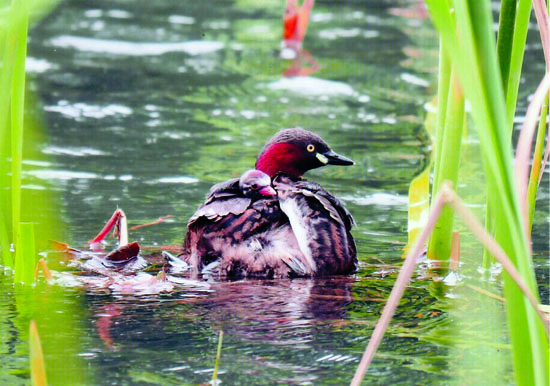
(145, 104)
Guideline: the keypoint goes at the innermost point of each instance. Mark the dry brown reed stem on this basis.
(47, 273)
(523, 150)
(454, 260)
(446, 197)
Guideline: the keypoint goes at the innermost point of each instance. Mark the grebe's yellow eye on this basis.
(310, 148)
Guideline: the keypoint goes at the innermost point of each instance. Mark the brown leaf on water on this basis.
(124, 253)
(62, 247)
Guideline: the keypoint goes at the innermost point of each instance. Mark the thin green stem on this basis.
(536, 166)
(440, 243)
(444, 81)
(25, 254)
(218, 355)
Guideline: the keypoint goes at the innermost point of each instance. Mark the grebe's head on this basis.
(256, 184)
(295, 151)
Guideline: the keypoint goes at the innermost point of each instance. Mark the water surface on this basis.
(147, 104)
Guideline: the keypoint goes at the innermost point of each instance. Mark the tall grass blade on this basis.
(443, 85)
(7, 258)
(25, 254)
(447, 169)
(38, 367)
(18, 109)
(8, 54)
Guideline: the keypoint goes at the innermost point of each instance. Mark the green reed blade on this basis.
(439, 247)
(25, 254)
(6, 71)
(17, 109)
(8, 56)
(443, 82)
(7, 258)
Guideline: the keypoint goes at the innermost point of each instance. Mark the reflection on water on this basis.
(148, 104)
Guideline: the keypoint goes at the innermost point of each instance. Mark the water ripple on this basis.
(378, 199)
(180, 19)
(308, 85)
(37, 65)
(415, 80)
(177, 180)
(120, 47)
(79, 110)
(73, 151)
(64, 175)
(338, 33)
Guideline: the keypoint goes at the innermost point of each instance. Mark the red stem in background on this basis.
(107, 228)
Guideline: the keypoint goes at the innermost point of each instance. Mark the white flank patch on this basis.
(290, 208)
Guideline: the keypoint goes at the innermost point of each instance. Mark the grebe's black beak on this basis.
(332, 158)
